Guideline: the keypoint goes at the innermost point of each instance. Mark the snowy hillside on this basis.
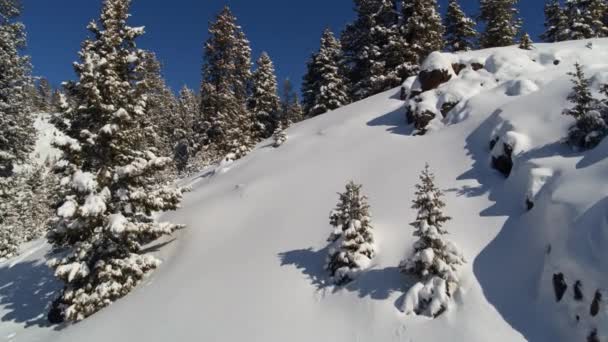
(249, 267)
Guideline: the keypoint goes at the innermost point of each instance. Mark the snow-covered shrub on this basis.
(430, 298)
(590, 115)
(110, 186)
(352, 237)
(434, 260)
(279, 137)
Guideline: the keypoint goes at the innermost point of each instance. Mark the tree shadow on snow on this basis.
(26, 292)
(394, 121)
(377, 284)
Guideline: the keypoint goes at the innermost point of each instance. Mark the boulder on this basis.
(458, 67)
(432, 79)
(559, 286)
(476, 66)
(595, 305)
(503, 162)
(447, 107)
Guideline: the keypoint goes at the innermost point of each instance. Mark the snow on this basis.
(250, 265)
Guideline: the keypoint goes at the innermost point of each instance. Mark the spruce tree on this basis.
(44, 95)
(16, 123)
(590, 115)
(501, 23)
(352, 236)
(596, 12)
(459, 29)
(555, 22)
(376, 54)
(578, 25)
(226, 87)
(161, 106)
(110, 190)
(525, 43)
(422, 27)
(186, 141)
(291, 110)
(433, 256)
(264, 101)
(325, 87)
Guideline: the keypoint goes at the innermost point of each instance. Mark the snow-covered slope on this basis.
(250, 264)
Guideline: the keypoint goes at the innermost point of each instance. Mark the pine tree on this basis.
(502, 24)
(590, 115)
(596, 12)
(459, 29)
(44, 94)
(376, 54)
(16, 123)
(186, 141)
(433, 257)
(161, 107)
(109, 189)
(226, 87)
(264, 101)
(352, 235)
(525, 43)
(291, 110)
(555, 22)
(578, 24)
(325, 87)
(423, 28)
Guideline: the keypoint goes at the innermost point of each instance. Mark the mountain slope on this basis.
(250, 264)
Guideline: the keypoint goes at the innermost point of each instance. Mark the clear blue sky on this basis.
(288, 30)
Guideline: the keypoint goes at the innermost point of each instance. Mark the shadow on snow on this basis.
(377, 284)
(26, 292)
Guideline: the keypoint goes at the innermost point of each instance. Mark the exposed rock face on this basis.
(458, 67)
(447, 107)
(476, 66)
(578, 291)
(595, 306)
(504, 162)
(560, 286)
(432, 79)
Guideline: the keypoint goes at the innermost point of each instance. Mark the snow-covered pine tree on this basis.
(422, 27)
(376, 55)
(352, 237)
(578, 25)
(459, 29)
(225, 88)
(291, 110)
(161, 107)
(596, 15)
(555, 22)
(434, 260)
(590, 115)
(501, 23)
(186, 142)
(264, 102)
(16, 123)
(326, 89)
(525, 42)
(109, 190)
(44, 93)
(17, 134)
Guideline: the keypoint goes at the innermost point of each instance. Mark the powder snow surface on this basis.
(249, 267)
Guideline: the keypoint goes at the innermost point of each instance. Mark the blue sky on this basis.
(288, 30)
